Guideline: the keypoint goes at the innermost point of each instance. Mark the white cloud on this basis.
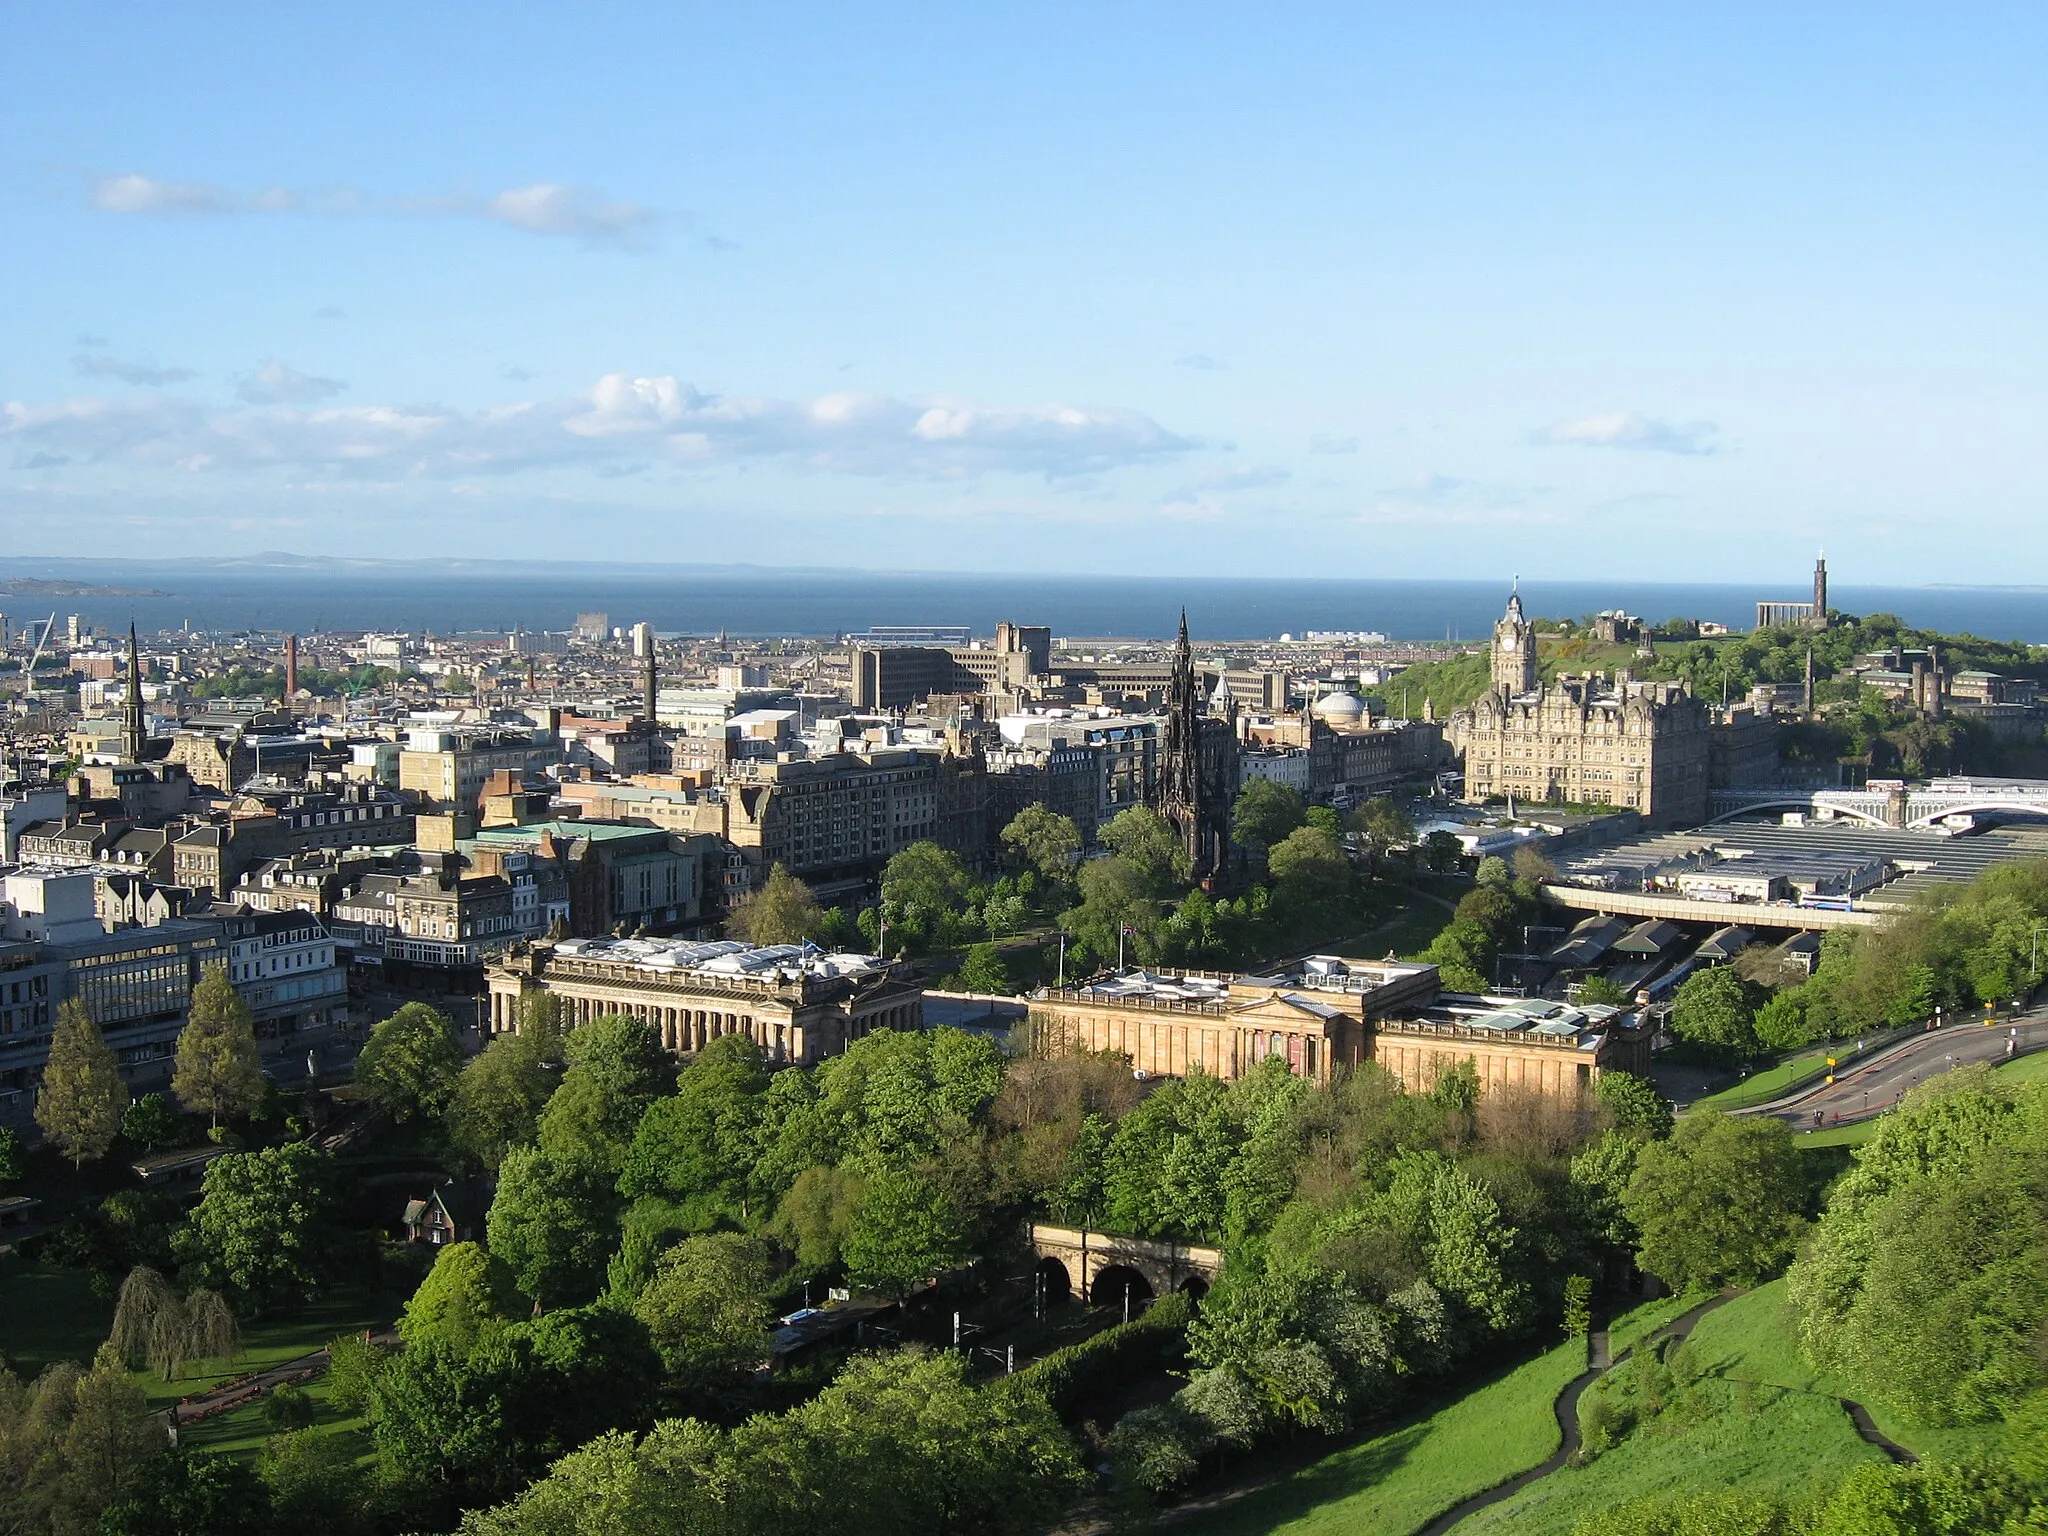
(621, 420)
(547, 208)
(99, 366)
(278, 383)
(143, 194)
(540, 208)
(1211, 495)
(1324, 442)
(1630, 429)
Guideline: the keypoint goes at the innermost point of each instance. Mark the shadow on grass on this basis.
(1337, 1475)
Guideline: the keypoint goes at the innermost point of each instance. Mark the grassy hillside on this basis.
(1754, 1419)
(1453, 684)
(1755, 1339)
(1397, 1482)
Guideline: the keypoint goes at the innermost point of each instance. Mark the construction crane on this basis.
(49, 626)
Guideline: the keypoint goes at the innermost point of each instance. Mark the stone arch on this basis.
(1113, 1281)
(1058, 1282)
(1194, 1287)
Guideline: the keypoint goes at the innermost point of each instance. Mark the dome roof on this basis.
(1339, 706)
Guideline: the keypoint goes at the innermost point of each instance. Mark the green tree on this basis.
(13, 1155)
(552, 1223)
(1715, 1011)
(782, 911)
(1634, 1104)
(706, 1309)
(109, 1441)
(1719, 1201)
(1044, 841)
(1602, 991)
(1115, 897)
(1441, 850)
(353, 1366)
(314, 1484)
(905, 1231)
(617, 1067)
(152, 1121)
(262, 1229)
(82, 1096)
(409, 1065)
(1493, 871)
(468, 1293)
(1265, 813)
(698, 1146)
(178, 1493)
(816, 1214)
(217, 1071)
(1310, 872)
(898, 1443)
(1383, 825)
(982, 970)
(1781, 1023)
(499, 1095)
(1143, 840)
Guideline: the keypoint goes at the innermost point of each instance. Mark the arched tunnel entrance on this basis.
(1194, 1288)
(1052, 1285)
(1119, 1285)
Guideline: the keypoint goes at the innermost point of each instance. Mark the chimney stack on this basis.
(291, 669)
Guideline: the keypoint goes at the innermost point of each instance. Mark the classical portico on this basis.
(797, 1006)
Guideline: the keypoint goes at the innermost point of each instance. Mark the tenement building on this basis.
(796, 1004)
(1332, 1014)
(1589, 740)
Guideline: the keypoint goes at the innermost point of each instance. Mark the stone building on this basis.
(798, 1005)
(842, 816)
(1641, 746)
(1332, 1014)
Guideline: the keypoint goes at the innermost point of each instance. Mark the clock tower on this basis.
(1514, 649)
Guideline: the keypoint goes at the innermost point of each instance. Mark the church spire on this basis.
(134, 727)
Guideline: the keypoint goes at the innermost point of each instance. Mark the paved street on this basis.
(1874, 1085)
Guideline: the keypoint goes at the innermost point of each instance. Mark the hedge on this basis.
(1071, 1375)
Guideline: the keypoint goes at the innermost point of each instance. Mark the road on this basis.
(1874, 1085)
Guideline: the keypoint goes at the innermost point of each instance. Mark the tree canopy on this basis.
(82, 1097)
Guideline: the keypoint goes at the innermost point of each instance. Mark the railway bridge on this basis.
(1103, 1266)
(1890, 802)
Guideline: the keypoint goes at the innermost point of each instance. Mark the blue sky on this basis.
(1357, 290)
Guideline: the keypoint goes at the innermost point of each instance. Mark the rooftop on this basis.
(721, 957)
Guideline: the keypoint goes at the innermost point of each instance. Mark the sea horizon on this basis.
(311, 594)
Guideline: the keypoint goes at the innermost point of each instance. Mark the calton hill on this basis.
(570, 1284)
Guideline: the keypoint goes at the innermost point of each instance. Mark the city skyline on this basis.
(1168, 293)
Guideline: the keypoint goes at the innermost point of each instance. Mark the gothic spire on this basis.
(134, 727)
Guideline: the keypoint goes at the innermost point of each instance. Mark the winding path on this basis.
(1567, 1410)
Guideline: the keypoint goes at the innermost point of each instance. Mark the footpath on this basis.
(247, 1388)
(1598, 1365)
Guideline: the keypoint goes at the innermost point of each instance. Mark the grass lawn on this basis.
(2027, 1069)
(1839, 1135)
(1409, 935)
(1628, 1329)
(1759, 1439)
(49, 1314)
(1755, 1339)
(1772, 1082)
(243, 1433)
(1398, 1481)
(285, 1336)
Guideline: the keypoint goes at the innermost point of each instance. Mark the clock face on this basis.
(1509, 642)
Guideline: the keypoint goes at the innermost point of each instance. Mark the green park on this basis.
(1433, 1306)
